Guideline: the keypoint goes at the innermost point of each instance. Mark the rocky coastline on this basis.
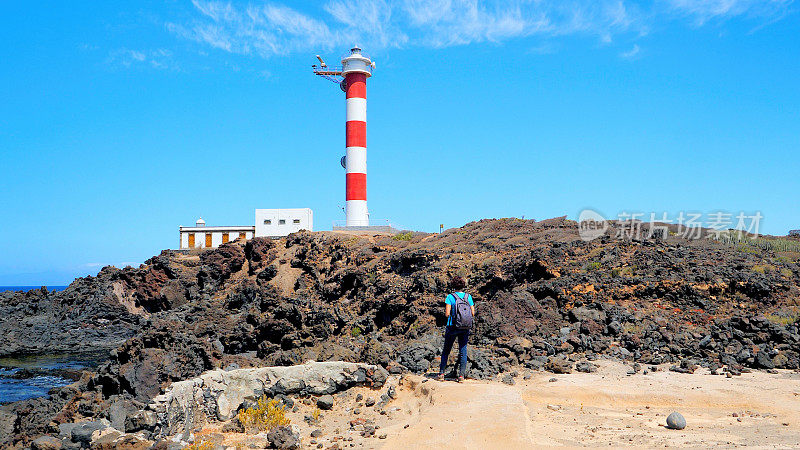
(546, 300)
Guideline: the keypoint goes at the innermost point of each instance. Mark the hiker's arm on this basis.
(447, 310)
(473, 310)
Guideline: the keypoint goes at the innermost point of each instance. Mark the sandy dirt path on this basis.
(606, 408)
(455, 420)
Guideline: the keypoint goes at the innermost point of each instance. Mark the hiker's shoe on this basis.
(460, 378)
(440, 377)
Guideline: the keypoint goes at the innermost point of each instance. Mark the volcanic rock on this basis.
(141, 420)
(675, 421)
(218, 394)
(285, 437)
(558, 365)
(325, 402)
(329, 296)
(46, 443)
(764, 361)
(417, 357)
(83, 432)
(585, 367)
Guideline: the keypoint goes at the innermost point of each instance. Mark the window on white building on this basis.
(296, 221)
(267, 222)
(281, 222)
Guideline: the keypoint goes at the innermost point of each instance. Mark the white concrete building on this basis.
(201, 236)
(269, 223)
(282, 222)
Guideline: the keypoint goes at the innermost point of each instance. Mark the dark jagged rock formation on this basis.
(86, 316)
(544, 297)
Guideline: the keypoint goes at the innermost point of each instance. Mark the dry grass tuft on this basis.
(403, 236)
(763, 268)
(750, 244)
(202, 445)
(593, 266)
(785, 317)
(265, 416)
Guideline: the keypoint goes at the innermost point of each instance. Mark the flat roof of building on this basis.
(229, 228)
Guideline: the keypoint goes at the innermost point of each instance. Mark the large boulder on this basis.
(83, 433)
(325, 402)
(675, 421)
(284, 438)
(764, 361)
(141, 420)
(120, 410)
(219, 264)
(259, 252)
(218, 394)
(780, 361)
(417, 356)
(111, 439)
(558, 365)
(481, 364)
(582, 314)
(46, 443)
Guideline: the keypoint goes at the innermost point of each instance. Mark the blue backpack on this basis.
(462, 312)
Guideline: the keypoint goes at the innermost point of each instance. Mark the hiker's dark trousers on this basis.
(450, 335)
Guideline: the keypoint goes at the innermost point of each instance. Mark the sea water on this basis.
(46, 368)
(13, 389)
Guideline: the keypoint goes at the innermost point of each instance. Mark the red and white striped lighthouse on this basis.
(356, 68)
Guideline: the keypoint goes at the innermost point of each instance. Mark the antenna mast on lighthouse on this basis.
(352, 79)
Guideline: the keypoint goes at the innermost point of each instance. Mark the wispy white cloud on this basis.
(269, 29)
(366, 21)
(216, 10)
(544, 48)
(265, 30)
(446, 23)
(702, 11)
(632, 53)
(158, 59)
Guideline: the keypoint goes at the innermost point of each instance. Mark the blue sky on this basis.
(121, 120)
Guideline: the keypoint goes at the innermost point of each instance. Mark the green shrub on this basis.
(593, 266)
(763, 268)
(403, 236)
(784, 319)
(748, 244)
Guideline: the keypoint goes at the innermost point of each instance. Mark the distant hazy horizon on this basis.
(32, 287)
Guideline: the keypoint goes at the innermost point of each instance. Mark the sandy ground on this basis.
(608, 408)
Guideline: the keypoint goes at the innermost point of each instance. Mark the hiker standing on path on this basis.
(460, 311)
